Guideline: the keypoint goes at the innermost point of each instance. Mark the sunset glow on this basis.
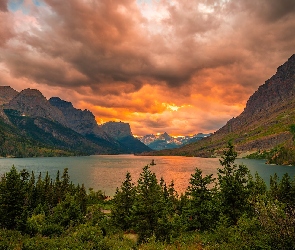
(180, 67)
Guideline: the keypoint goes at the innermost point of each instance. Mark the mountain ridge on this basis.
(165, 141)
(53, 127)
(263, 125)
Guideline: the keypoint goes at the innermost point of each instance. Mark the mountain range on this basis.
(165, 141)
(31, 125)
(263, 125)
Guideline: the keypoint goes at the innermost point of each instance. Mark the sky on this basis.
(175, 66)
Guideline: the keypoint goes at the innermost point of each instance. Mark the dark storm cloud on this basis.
(118, 55)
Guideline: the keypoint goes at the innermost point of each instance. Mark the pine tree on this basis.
(123, 202)
(148, 205)
(12, 200)
(235, 183)
(200, 211)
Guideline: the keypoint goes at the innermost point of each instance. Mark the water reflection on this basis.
(108, 172)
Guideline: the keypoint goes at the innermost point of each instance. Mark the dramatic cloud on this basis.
(162, 65)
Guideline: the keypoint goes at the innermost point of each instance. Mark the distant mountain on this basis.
(165, 141)
(264, 123)
(121, 132)
(31, 125)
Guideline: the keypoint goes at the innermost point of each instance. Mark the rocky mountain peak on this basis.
(6, 94)
(57, 102)
(165, 136)
(279, 88)
(81, 121)
(31, 102)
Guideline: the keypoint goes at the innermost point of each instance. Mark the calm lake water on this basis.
(106, 172)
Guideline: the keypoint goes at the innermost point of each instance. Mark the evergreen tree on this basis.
(274, 187)
(286, 191)
(200, 211)
(123, 202)
(235, 183)
(148, 204)
(13, 200)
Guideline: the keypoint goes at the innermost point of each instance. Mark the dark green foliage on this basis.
(282, 190)
(235, 184)
(122, 204)
(40, 206)
(284, 155)
(13, 205)
(259, 155)
(292, 130)
(148, 204)
(151, 209)
(235, 211)
(67, 213)
(200, 211)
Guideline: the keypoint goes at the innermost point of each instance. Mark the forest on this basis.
(233, 211)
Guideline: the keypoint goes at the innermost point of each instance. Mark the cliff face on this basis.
(81, 121)
(117, 130)
(265, 121)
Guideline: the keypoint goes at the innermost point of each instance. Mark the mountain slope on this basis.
(33, 126)
(264, 123)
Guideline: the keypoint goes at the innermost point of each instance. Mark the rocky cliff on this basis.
(116, 130)
(81, 121)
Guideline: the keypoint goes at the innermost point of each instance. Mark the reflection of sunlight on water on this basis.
(110, 173)
(106, 172)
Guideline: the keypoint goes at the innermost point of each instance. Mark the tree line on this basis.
(233, 211)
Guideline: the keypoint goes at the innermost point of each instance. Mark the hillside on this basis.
(31, 125)
(263, 125)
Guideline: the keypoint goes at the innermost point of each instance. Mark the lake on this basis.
(106, 172)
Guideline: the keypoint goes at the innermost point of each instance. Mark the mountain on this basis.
(121, 132)
(31, 125)
(264, 123)
(6, 94)
(31, 102)
(81, 121)
(165, 141)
